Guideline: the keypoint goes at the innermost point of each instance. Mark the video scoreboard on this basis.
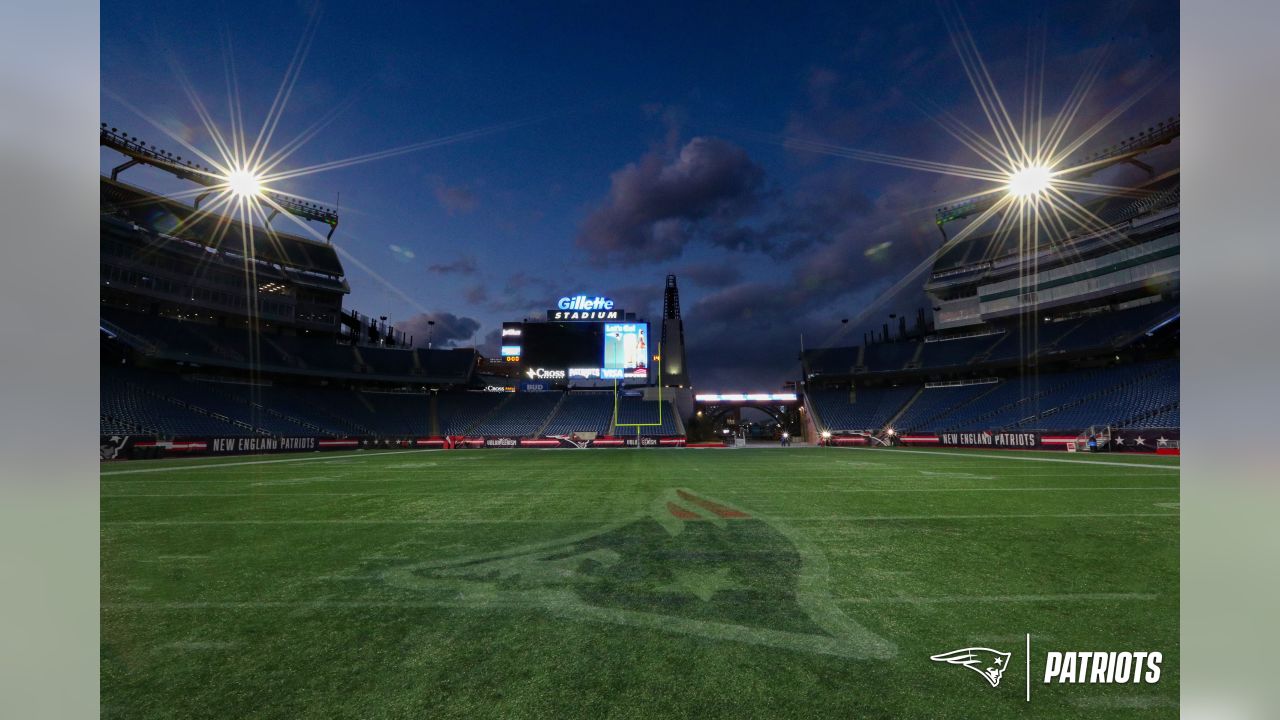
(583, 350)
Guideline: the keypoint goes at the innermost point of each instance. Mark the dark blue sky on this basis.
(648, 152)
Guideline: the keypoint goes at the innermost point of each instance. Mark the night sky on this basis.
(642, 141)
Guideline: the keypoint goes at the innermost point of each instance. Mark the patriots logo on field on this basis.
(988, 663)
(688, 565)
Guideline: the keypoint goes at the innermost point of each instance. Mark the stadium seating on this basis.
(952, 353)
(1064, 401)
(458, 412)
(314, 406)
(1138, 395)
(130, 405)
(399, 414)
(520, 416)
(1120, 395)
(635, 410)
(832, 361)
(582, 412)
(866, 409)
(1010, 341)
(1015, 400)
(1118, 327)
(234, 402)
(1163, 419)
(935, 401)
(139, 401)
(237, 347)
(886, 357)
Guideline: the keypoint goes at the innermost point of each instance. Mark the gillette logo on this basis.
(1103, 668)
(582, 302)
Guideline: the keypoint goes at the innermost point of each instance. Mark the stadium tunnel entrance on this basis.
(730, 415)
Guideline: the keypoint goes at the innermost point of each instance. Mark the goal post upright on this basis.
(637, 426)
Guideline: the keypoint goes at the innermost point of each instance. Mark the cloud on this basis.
(491, 344)
(821, 83)
(449, 329)
(521, 280)
(655, 207)
(746, 338)
(673, 119)
(455, 199)
(746, 335)
(461, 266)
(643, 300)
(523, 294)
(709, 274)
(713, 193)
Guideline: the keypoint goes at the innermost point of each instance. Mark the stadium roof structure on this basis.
(161, 215)
(140, 153)
(1112, 211)
(1124, 151)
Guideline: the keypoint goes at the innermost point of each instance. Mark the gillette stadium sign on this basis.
(585, 307)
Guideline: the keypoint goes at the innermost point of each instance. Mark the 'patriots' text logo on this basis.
(988, 663)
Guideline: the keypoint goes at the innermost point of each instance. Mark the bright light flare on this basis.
(1030, 181)
(244, 183)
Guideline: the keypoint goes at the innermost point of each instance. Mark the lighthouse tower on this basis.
(675, 373)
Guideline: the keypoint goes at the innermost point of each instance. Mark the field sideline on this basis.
(803, 582)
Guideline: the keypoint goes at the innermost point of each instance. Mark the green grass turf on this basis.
(559, 584)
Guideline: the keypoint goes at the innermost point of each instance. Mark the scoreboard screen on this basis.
(586, 351)
(563, 345)
(626, 346)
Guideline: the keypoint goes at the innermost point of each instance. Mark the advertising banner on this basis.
(567, 441)
(125, 447)
(988, 439)
(129, 447)
(1023, 440)
(848, 440)
(1119, 441)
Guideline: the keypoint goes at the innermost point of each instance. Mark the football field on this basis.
(751, 583)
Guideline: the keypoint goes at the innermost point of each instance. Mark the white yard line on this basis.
(472, 495)
(203, 466)
(843, 518)
(569, 520)
(746, 483)
(196, 645)
(341, 604)
(1024, 458)
(944, 599)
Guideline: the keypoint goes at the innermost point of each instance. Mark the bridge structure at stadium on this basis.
(723, 411)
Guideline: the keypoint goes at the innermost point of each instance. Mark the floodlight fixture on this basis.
(1030, 181)
(244, 183)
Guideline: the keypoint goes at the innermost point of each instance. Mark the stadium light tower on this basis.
(244, 183)
(234, 183)
(1030, 181)
(1027, 168)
